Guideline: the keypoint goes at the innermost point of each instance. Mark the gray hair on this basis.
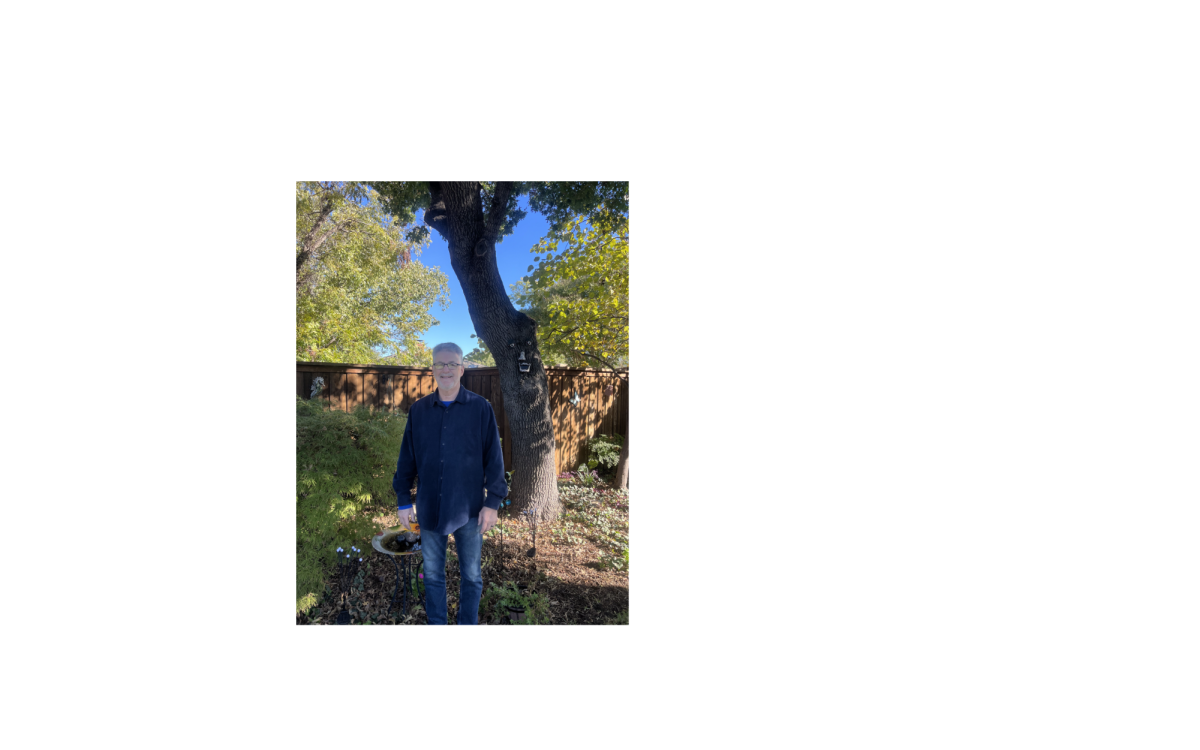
(448, 347)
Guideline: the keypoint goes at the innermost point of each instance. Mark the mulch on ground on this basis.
(580, 591)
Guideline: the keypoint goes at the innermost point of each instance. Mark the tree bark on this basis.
(456, 213)
(622, 479)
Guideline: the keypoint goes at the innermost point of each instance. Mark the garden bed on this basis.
(581, 567)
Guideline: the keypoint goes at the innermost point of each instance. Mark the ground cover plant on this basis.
(578, 573)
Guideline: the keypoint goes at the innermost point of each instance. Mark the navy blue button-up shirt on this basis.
(454, 452)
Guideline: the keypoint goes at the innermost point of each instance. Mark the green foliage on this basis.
(615, 559)
(401, 200)
(362, 295)
(557, 201)
(415, 352)
(489, 601)
(563, 534)
(560, 201)
(601, 515)
(605, 450)
(497, 600)
(344, 466)
(580, 296)
(480, 355)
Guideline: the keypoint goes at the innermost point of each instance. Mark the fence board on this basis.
(563, 421)
(371, 394)
(554, 382)
(593, 414)
(335, 391)
(574, 412)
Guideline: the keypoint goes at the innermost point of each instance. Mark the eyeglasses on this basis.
(445, 365)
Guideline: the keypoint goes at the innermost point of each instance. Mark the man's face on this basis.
(447, 377)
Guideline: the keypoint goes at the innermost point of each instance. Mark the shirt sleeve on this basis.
(406, 468)
(493, 463)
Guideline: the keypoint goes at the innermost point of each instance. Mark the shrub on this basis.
(605, 451)
(497, 599)
(344, 467)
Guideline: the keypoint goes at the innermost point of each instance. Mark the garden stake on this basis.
(348, 571)
(343, 617)
(397, 589)
(403, 573)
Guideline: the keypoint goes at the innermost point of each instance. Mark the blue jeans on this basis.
(469, 544)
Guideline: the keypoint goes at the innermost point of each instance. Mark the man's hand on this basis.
(406, 518)
(487, 519)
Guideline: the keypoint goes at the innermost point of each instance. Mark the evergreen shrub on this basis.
(497, 599)
(344, 467)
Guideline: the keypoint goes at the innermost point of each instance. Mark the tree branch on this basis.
(605, 362)
(307, 246)
(435, 215)
(495, 217)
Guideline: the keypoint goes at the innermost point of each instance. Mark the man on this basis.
(451, 443)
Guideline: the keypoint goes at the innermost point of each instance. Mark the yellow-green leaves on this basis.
(359, 284)
(580, 295)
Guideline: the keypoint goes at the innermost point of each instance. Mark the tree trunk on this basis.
(622, 479)
(456, 213)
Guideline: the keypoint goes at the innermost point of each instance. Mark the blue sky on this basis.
(512, 258)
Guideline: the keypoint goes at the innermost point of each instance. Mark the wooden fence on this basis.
(603, 407)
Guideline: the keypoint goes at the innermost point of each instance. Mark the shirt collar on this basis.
(461, 398)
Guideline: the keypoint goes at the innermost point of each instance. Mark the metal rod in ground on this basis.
(397, 589)
(405, 605)
(343, 617)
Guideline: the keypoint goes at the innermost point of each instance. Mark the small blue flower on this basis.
(347, 555)
(360, 559)
(339, 549)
